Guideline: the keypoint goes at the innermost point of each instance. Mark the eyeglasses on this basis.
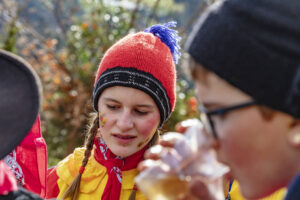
(206, 116)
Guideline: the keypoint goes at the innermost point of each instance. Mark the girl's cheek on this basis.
(143, 142)
(150, 126)
(147, 130)
(102, 119)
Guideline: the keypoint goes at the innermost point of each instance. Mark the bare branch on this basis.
(133, 15)
(58, 8)
(27, 28)
(194, 17)
(153, 13)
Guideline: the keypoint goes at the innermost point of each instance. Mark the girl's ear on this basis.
(294, 134)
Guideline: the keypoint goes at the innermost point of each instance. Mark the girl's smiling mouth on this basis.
(123, 139)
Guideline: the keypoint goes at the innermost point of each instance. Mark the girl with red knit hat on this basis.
(134, 94)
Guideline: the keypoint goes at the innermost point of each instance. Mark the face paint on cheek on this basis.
(141, 143)
(102, 119)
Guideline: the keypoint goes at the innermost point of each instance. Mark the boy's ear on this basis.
(294, 134)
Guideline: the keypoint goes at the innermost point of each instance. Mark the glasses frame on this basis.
(206, 115)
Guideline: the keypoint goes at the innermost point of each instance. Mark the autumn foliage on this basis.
(65, 50)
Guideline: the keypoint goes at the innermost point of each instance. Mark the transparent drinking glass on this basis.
(189, 160)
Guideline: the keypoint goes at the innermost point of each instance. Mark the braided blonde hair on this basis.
(73, 189)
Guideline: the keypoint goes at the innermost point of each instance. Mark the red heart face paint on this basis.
(102, 119)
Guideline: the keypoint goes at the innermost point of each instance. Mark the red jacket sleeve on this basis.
(28, 161)
(52, 187)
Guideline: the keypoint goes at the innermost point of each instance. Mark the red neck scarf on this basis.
(8, 181)
(115, 165)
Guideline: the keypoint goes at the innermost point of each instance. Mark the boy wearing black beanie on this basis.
(245, 57)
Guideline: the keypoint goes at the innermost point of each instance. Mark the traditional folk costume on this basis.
(144, 61)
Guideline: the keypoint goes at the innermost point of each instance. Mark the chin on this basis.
(255, 192)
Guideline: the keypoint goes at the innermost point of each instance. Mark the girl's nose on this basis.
(125, 121)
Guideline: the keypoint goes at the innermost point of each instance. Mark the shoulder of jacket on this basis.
(93, 174)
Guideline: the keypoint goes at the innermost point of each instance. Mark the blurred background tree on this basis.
(65, 41)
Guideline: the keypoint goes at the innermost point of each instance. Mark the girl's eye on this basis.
(141, 112)
(112, 107)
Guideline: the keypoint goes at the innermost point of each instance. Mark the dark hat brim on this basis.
(20, 94)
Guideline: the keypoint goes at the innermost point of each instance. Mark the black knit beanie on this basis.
(255, 46)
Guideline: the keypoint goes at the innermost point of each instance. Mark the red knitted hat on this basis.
(145, 61)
